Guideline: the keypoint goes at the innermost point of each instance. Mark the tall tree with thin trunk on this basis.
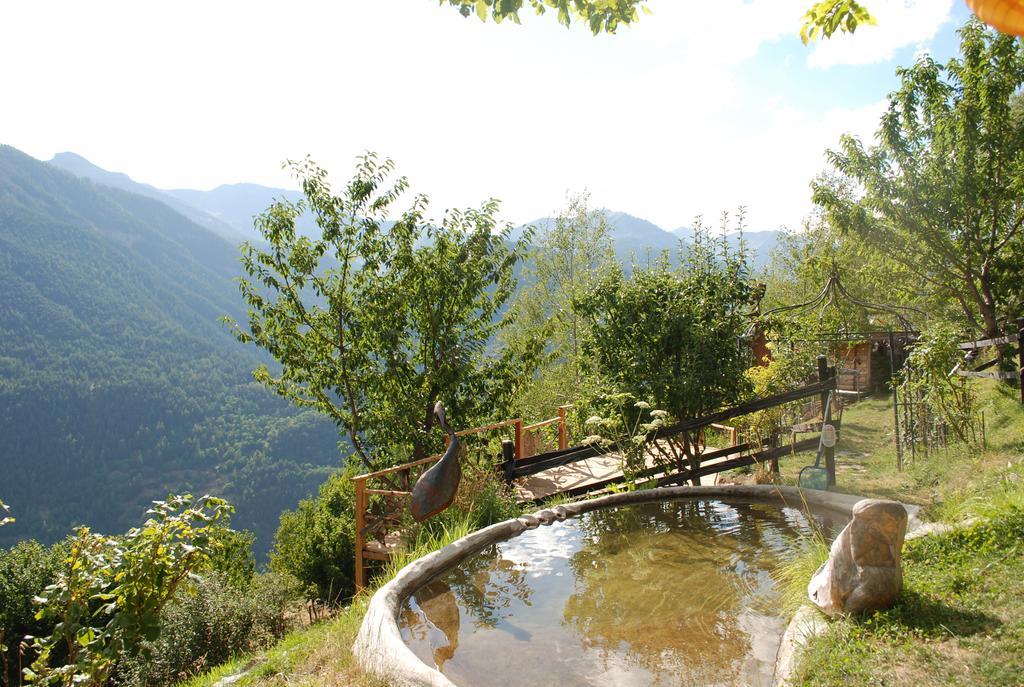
(375, 320)
(942, 192)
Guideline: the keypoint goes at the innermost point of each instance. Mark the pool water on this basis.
(663, 593)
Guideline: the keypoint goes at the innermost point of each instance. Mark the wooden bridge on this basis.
(584, 469)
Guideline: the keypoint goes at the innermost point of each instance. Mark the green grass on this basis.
(317, 655)
(960, 618)
(959, 621)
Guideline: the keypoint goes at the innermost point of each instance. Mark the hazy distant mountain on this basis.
(80, 167)
(238, 204)
(227, 210)
(634, 237)
(118, 384)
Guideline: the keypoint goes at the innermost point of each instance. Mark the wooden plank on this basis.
(742, 461)
(360, 536)
(487, 428)
(388, 492)
(747, 408)
(1008, 339)
(553, 459)
(985, 366)
(988, 375)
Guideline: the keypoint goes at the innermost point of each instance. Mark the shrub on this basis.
(213, 621)
(106, 602)
(315, 543)
(25, 570)
(671, 336)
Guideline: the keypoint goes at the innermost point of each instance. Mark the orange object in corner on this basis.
(1003, 15)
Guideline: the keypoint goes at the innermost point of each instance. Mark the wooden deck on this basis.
(578, 475)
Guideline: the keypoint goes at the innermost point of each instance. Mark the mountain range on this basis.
(228, 211)
(118, 384)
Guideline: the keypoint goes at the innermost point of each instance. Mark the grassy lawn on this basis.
(960, 620)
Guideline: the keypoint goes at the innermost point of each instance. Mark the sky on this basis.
(698, 108)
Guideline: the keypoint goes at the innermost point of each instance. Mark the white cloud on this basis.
(901, 23)
(655, 121)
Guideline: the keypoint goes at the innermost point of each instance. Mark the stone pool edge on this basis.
(379, 648)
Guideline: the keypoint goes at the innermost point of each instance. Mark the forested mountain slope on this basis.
(117, 382)
(80, 167)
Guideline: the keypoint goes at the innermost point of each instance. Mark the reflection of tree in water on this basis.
(487, 585)
(666, 582)
(484, 586)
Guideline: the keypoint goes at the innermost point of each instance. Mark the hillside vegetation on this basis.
(118, 384)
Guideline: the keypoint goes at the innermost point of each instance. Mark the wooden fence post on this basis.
(563, 433)
(508, 458)
(360, 533)
(895, 403)
(1020, 356)
(826, 419)
(518, 425)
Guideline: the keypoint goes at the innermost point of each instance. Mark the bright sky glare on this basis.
(700, 107)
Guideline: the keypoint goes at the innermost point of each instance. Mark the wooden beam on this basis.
(1003, 374)
(983, 343)
(360, 508)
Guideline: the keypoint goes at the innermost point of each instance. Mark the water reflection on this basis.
(669, 593)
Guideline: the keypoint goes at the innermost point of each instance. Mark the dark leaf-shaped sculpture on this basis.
(435, 489)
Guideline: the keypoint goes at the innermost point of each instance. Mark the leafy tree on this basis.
(376, 320)
(599, 15)
(942, 193)
(823, 18)
(828, 16)
(671, 335)
(107, 598)
(566, 261)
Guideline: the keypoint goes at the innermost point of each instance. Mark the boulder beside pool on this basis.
(864, 570)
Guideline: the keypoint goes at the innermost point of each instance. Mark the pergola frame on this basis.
(833, 293)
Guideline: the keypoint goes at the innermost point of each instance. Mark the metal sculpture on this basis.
(435, 489)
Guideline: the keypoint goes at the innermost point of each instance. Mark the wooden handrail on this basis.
(542, 423)
(487, 428)
(363, 492)
(397, 468)
(729, 429)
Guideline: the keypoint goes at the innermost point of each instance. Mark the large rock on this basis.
(863, 571)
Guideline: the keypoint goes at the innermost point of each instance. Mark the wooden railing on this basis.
(381, 547)
(516, 465)
(1015, 337)
(545, 461)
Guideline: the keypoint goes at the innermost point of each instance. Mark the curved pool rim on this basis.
(379, 647)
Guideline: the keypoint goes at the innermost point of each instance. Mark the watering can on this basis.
(435, 489)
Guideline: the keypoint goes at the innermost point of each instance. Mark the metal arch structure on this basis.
(831, 295)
